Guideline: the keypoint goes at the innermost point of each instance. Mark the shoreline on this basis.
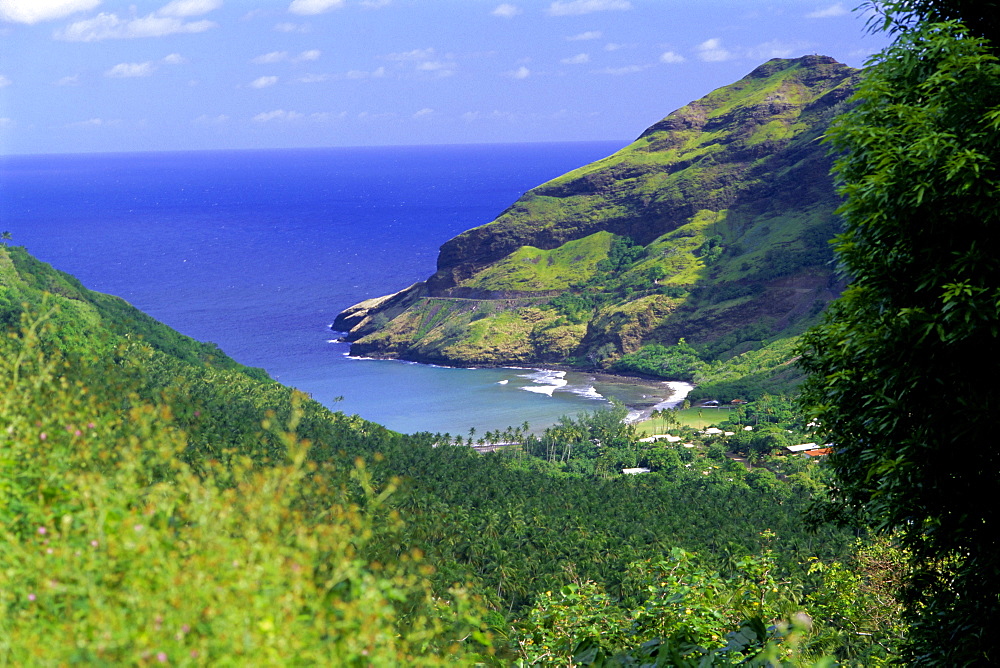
(662, 393)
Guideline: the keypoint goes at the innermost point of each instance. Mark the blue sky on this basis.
(102, 75)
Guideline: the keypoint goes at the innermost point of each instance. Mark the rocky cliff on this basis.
(711, 226)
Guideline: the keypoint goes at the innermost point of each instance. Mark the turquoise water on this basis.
(259, 250)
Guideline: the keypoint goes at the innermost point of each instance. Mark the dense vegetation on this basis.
(160, 503)
(159, 509)
(899, 379)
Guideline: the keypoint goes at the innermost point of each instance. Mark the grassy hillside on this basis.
(161, 508)
(91, 319)
(712, 227)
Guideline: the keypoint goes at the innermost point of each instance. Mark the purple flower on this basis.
(161, 657)
(43, 436)
(31, 597)
(42, 530)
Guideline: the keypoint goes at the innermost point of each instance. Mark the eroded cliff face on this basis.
(715, 218)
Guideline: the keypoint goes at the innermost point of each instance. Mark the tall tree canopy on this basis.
(904, 369)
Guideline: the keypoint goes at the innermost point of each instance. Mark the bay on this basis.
(258, 251)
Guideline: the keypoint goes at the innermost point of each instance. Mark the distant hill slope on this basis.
(89, 320)
(711, 227)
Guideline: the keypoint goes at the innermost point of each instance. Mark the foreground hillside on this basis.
(161, 504)
(712, 228)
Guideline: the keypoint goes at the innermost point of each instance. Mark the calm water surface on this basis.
(259, 250)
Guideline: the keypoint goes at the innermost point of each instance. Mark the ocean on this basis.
(258, 251)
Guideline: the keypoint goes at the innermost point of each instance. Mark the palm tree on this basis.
(5, 236)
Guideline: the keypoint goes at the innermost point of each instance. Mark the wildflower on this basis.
(161, 657)
(42, 530)
(43, 436)
(93, 543)
(91, 425)
(138, 527)
(31, 597)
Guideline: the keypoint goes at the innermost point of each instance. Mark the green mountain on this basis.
(158, 501)
(709, 231)
(86, 320)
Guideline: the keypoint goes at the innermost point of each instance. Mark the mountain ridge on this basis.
(716, 218)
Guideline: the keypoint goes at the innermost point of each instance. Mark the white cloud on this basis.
(590, 34)
(520, 73)
(175, 59)
(205, 119)
(426, 60)
(273, 57)
(577, 7)
(73, 80)
(613, 46)
(712, 51)
(311, 54)
(292, 27)
(111, 26)
(263, 82)
(496, 114)
(33, 11)
(830, 12)
(776, 49)
(671, 57)
(374, 4)
(130, 70)
(308, 7)
(6, 122)
(278, 115)
(618, 71)
(325, 116)
(437, 67)
(507, 11)
(362, 74)
(424, 113)
(578, 59)
(313, 78)
(94, 123)
(4, 81)
(416, 54)
(182, 8)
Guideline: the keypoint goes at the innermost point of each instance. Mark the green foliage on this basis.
(900, 377)
(113, 550)
(236, 520)
(677, 362)
(692, 615)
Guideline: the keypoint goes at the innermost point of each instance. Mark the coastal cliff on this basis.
(711, 227)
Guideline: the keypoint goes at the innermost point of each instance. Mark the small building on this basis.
(818, 452)
(657, 437)
(635, 471)
(802, 447)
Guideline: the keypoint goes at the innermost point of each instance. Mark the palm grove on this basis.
(160, 503)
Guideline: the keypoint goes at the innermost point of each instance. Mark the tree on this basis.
(903, 370)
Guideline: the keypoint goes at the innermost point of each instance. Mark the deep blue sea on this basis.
(258, 251)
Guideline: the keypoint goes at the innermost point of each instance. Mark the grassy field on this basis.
(699, 418)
